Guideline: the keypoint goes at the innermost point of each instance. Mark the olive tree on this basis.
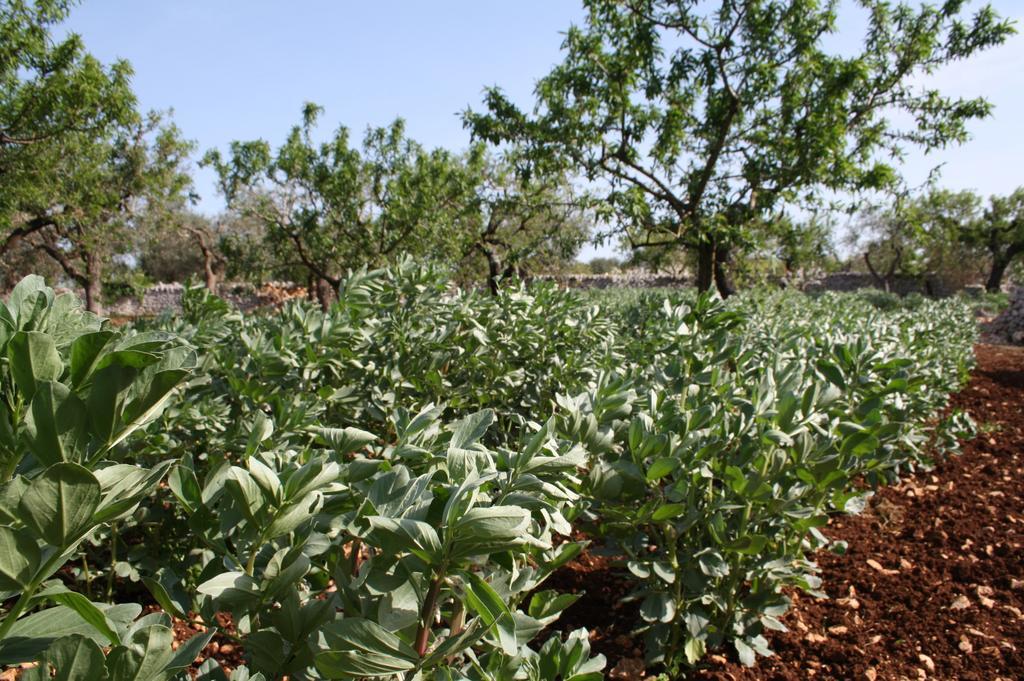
(697, 116)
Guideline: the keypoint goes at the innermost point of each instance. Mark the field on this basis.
(425, 483)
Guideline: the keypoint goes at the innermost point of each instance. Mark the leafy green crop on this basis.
(73, 390)
(382, 488)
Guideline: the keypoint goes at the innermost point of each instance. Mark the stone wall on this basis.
(1009, 326)
(161, 298)
(901, 285)
(638, 279)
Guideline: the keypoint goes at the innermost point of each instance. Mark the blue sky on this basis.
(242, 70)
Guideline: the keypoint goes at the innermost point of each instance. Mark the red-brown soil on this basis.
(932, 585)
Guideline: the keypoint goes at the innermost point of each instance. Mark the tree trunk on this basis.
(213, 264)
(324, 293)
(885, 281)
(93, 285)
(724, 283)
(705, 266)
(211, 275)
(493, 268)
(995, 275)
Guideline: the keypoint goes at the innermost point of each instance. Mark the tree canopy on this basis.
(49, 91)
(696, 117)
(330, 206)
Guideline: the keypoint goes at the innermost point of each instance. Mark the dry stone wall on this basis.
(162, 298)
(639, 279)
(1009, 326)
(901, 285)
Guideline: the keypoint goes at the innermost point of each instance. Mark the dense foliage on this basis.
(381, 488)
(698, 119)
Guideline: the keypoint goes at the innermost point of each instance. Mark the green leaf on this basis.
(360, 647)
(30, 296)
(712, 563)
(405, 534)
(162, 596)
(147, 406)
(491, 529)
(694, 650)
(859, 444)
(470, 429)
(59, 504)
(658, 607)
(262, 428)
(496, 616)
(750, 544)
(19, 559)
(187, 653)
(148, 655)
(345, 440)
(31, 635)
(88, 611)
(546, 605)
(123, 486)
(662, 467)
(56, 424)
(294, 514)
(745, 652)
(285, 569)
(105, 398)
(85, 351)
(666, 511)
(231, 588)
(33, 357)
(71, 658)
(832, 373)
(10, 496)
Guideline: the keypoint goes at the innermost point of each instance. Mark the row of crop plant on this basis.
(380, 489)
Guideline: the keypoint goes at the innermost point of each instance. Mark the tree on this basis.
(697, 117)
(49, 91)
(101, 185)
(515, 221)
(601, 265)
(1001, 233)
(924, 236)
(802, 245)
(331, 206)
(891, 242)
(179, 243)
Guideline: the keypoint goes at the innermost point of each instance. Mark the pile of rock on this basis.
(1009, 326)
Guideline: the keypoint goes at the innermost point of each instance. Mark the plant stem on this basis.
(357, 545)
(671, 551)
(113, 561)
(251, 565)
(427, 615)
(88, 576)
(458, 622)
